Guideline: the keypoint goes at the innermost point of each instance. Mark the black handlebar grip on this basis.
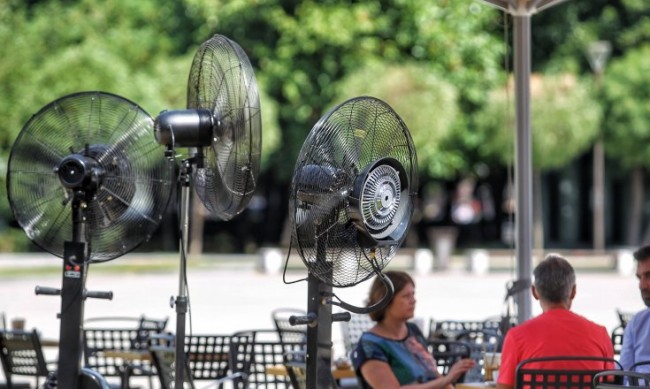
(99, 295)
(341, 316)
(48, 291)
(309, 320)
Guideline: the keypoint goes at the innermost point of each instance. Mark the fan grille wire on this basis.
(222, 80)
(345, 141)
(131, 201)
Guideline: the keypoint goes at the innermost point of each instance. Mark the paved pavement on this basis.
(225, 299)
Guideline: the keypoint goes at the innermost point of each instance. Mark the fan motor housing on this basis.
(77, 171)
(379, 203)
(184, 128)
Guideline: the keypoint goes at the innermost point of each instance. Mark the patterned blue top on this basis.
(636, 341)
(408, 358)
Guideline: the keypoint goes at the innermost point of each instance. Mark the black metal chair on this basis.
(162, 348)
(636, 365)
(295, 362)
(617, 339)
(613, 379)
(452, 329)
(120, 335)
(286, 331)
(353, 329)
(559, 372)
(480, 341)
(624, 317)
(254, 357)
(207, 356)
(21, 354)
(448, 352)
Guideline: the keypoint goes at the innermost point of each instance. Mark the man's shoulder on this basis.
(640, 318)
(547, 323)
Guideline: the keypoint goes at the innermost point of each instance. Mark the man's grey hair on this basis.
(554, 279)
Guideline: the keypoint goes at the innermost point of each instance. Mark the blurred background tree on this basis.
(565, 119)
(440, 58)
(626, 92)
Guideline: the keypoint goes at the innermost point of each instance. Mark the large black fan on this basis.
(351, 203)
(87, 183)
(353, 191)
(222, 127)
(97, 147)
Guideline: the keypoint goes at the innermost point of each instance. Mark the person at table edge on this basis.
(393, 353)
(557, 331)
(636, 338)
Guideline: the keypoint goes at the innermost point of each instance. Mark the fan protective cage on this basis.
(222, 80)
(135, 185)
(347, 145)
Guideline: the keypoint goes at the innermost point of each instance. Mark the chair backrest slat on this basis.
(611, 379)
(571, 372)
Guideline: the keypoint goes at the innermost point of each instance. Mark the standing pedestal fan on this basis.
(88, 184)
(351, 201)
(222, 128)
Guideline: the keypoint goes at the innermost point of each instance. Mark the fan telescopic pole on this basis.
(72, 304)
(73, 294)
(522, 10)
(319, 333)
(181, 300)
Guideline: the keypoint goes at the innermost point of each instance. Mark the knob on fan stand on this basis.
(86, 184)
(351, 202)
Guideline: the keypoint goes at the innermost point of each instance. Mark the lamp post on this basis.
(522, 10)
(598, 53)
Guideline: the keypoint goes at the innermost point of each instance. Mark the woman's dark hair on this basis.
(377, 291)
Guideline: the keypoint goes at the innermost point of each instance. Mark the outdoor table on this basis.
(337, 374)
(49, 343)
(475, 385)
(128, 355)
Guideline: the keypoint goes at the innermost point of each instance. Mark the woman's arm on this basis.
(379, 375)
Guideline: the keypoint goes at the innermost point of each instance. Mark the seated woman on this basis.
(393, 353)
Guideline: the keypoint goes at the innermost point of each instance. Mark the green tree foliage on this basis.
(626, 92)
(565, 120)
(141, 50)
(425, 101)
(562, 34)
(305, 48)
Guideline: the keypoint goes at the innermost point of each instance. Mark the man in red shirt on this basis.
(557, 331)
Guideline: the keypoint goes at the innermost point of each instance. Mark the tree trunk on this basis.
(636, 207)
(538, 215)
(598, 194)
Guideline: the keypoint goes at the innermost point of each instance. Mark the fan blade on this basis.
(131, 179)
(222, 80)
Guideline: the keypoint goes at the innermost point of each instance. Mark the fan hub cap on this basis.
(380, 197)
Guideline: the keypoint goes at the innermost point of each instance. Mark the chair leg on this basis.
(124, 377)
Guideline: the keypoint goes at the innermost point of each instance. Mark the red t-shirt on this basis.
(553, 333)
